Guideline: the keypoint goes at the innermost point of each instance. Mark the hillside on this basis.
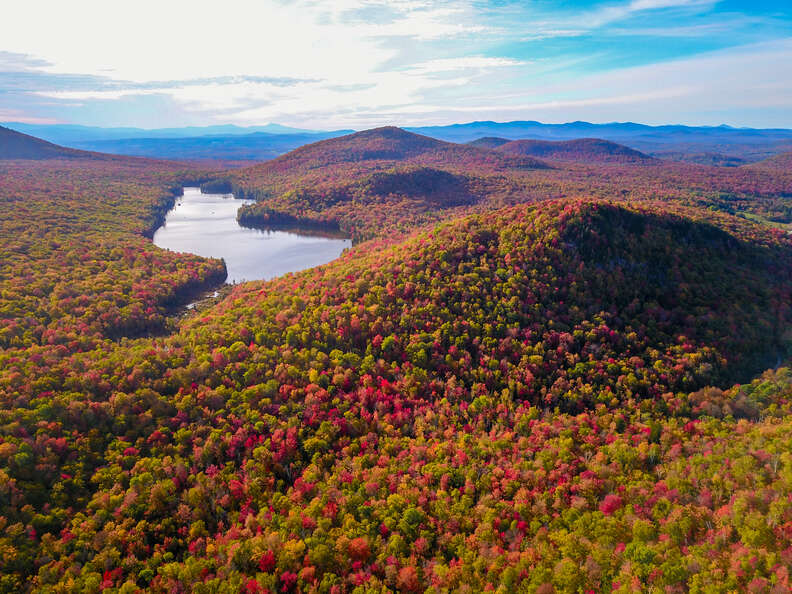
(380, 178)
(588, 150)
(694, 144)
(384, 147)
(781, 163)
(497, 388)
(489, 142)
(712, 159)
(327, 184)
(387, 143)
(15, 145)
(75, 264)
(510, 381)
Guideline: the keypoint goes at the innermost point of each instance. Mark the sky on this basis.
(331, 64)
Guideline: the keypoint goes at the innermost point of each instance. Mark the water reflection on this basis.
(206, 225)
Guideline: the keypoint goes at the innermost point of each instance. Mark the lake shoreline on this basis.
(207, 225)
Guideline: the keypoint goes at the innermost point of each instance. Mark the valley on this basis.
(396, 297)
(542, 366)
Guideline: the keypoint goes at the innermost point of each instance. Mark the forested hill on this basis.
(591, 150)
(399, 177)
(781, 163)
(388, 144)
(489, 142)
(385, 181)
(500, 387)
(524, 381)
(15, 145)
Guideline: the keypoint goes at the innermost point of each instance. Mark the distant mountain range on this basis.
(68, 134)
(259, 146)
(15, 145)
(627, 130)
(255, 143)
(719, 145)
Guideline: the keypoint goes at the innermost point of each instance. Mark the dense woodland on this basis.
(75, 262)
(528, 375)
(328, 183)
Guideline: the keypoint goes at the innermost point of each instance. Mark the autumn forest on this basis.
(543, 366)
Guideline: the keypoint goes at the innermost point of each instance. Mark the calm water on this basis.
(206, 225)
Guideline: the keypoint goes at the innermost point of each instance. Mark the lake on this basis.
(206, 225)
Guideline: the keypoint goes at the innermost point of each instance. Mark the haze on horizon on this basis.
(363, 63)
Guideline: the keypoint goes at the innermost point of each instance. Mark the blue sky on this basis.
(362, 63)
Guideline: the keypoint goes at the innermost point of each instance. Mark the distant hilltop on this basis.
(592, 150)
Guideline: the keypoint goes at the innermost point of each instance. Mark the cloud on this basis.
(697, 90)
(15, 62)
(581, 22)
(478, 63)
(402, 18)
(176, 40)
(93, 87)
(610, 100)
(348, 63)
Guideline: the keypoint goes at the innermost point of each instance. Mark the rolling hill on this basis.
(688, 143)
(781, 163)
(386, 147)
(70, 134)
(711, 159)
(229, 143)
(589, 150)
(518, 381)
(536, 397)
(327, 184)
(489, 142)
(340, 182)
(15, 145)
(378, 144)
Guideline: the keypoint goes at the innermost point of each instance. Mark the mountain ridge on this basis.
(67, 133)
(230, 141)
(593, 150)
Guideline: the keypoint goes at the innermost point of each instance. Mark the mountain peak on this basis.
(385, 143)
